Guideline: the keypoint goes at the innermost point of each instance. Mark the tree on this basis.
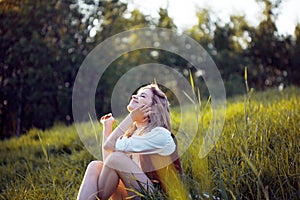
(294, 70)
(42, 44)
(268, 51)
(203, 31)
(165, 21)
(231, 42)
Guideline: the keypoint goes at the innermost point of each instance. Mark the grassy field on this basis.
(257, 156)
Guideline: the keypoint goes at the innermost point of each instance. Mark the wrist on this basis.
(126, 123)
(107, 128)
(107, 131)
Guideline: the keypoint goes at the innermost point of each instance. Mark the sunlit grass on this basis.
(257, 156)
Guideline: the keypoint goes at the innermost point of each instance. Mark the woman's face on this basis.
(143, 97)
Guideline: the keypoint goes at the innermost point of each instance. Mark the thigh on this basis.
(129, 172)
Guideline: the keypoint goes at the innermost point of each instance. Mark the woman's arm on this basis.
(140, 114)
(109, 144)
(107, 121)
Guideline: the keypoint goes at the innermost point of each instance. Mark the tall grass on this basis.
(257, 157)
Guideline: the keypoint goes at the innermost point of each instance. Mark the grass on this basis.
(257, 156)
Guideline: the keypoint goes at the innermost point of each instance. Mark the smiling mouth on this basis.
(134, 101)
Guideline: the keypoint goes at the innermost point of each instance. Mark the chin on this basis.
(130, 108)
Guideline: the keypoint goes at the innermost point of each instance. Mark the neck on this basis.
(140, 124)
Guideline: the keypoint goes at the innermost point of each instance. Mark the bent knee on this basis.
(116, 159)
(95, 166)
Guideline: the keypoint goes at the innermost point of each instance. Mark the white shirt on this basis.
(158, 140)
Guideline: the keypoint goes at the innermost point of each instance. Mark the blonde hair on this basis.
(160, 115)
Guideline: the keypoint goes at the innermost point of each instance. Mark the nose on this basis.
(134, 97)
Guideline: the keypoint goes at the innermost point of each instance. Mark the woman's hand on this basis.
(141, 114)
(107, 120)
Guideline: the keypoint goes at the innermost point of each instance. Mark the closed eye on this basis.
(144, 95)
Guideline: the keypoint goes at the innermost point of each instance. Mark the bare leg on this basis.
(120, 166)
(89, 187)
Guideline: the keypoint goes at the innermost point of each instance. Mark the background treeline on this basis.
(43, 44)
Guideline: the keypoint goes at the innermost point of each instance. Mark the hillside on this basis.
(257, 157)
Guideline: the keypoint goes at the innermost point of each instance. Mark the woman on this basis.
(137, 153)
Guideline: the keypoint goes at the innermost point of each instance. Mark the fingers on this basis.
(146, 110)
(141, 113)
(146, 113)
(105, 117)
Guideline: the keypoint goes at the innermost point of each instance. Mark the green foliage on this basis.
(270, 57)
(165, 21)
(257, 156)
(41, 49)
